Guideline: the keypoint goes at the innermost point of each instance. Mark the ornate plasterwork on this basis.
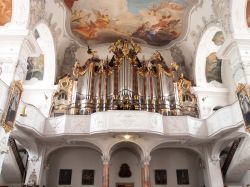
(197, 33)
(39, 15)
(37, 11)
(223, 14)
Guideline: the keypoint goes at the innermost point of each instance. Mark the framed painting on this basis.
(243, 94)
(160, 177)
(88, 177)
(65, 176)
(182, 177)
(9, 115)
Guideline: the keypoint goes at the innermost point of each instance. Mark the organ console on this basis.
(125, 82)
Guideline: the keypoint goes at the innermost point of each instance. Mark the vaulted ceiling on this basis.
(173, 27)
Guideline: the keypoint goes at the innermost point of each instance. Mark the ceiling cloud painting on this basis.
(154, 22)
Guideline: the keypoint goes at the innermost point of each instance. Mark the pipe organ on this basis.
(125, 82)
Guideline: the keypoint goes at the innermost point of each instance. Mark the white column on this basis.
(35, 167)
(213, 173)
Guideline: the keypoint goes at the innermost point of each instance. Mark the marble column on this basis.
(105, 171)
(213, 170)
(146, 172)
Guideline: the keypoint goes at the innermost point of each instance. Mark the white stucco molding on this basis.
(237, 52)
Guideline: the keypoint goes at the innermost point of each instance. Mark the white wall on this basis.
(119, 158)
(173, 159)
(76, 159)
(246, 179)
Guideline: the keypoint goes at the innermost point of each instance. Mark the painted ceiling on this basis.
(5, 11)
(153, 22)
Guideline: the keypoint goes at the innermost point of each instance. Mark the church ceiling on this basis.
(5, 11)
(152, 22)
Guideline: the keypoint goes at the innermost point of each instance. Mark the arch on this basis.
(238, 17)
(77, 159)
(125, 158)
(205, 47)
(174, 160)
(135, 148)
(83, 144)
(163, 145)
(46, 43)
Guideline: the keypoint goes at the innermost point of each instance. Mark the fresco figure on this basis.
(35, 68)
(218, 38)
(5, 11)
(248, 13)
(213, 68)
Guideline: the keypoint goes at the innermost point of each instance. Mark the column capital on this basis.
(215, 159)
(105, 159)
(146, 160)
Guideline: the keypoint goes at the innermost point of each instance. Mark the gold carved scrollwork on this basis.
(187, 100)
(62, 98)
(9, 115)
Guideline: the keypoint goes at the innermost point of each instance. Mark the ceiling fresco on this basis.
(5, 11)
(153, 22)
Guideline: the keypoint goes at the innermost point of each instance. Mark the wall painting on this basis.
(35, 68)
(9, 115)
(213, 68)
(218, 38)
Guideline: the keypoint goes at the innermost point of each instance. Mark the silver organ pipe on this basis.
(127, 83)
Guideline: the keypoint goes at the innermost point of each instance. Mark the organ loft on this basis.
(125, 82)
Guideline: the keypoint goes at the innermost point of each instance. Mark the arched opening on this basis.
(174, 167)
(209, 44)
(212, 74)
(74, 166)
(125, 165)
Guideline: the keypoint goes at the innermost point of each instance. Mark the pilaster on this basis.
(35, 167)
(213, 173)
